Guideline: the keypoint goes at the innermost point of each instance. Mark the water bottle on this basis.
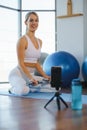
(76, 103)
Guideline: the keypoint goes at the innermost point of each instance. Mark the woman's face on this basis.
(32, 23)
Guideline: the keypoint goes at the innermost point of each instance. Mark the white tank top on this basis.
(32, 54)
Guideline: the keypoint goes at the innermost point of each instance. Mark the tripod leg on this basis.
(63, 102)
(58, 102)
(49, 101)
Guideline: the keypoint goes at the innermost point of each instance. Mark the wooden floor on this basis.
(30, 114)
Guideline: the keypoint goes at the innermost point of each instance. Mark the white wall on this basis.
(85, 27)
(71, 32)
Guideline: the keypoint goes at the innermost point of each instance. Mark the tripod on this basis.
(56, 82)
(58, 98)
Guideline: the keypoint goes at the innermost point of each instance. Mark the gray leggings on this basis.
(19, 82)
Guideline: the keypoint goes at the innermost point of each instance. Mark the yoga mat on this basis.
(41, 95)
(45, 94)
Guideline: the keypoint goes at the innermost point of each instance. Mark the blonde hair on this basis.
(28, 14)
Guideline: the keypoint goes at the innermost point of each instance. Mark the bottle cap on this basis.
(76, 81)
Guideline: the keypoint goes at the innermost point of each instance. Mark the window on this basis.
(8, 39)
(38, 5)
(10, 3)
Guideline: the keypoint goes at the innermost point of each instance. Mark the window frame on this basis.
(20, 11)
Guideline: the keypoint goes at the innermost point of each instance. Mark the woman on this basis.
(28, 53)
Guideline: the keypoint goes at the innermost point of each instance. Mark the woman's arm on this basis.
(39, 67)
(21, 46)
(40, 70)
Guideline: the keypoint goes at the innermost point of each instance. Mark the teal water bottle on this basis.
(76, 103)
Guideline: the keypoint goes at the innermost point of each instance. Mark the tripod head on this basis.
(56, 77)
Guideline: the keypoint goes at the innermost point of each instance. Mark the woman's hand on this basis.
(48, 77)
(34, 81)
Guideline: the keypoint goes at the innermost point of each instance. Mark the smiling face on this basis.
(32, 22)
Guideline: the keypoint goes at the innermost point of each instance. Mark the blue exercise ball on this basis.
(68, 63)
(84, 69)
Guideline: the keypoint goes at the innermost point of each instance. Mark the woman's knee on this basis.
(20, 91)
(25, 90)
(17, 81)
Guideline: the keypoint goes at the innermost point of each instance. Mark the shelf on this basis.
(72, 15)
